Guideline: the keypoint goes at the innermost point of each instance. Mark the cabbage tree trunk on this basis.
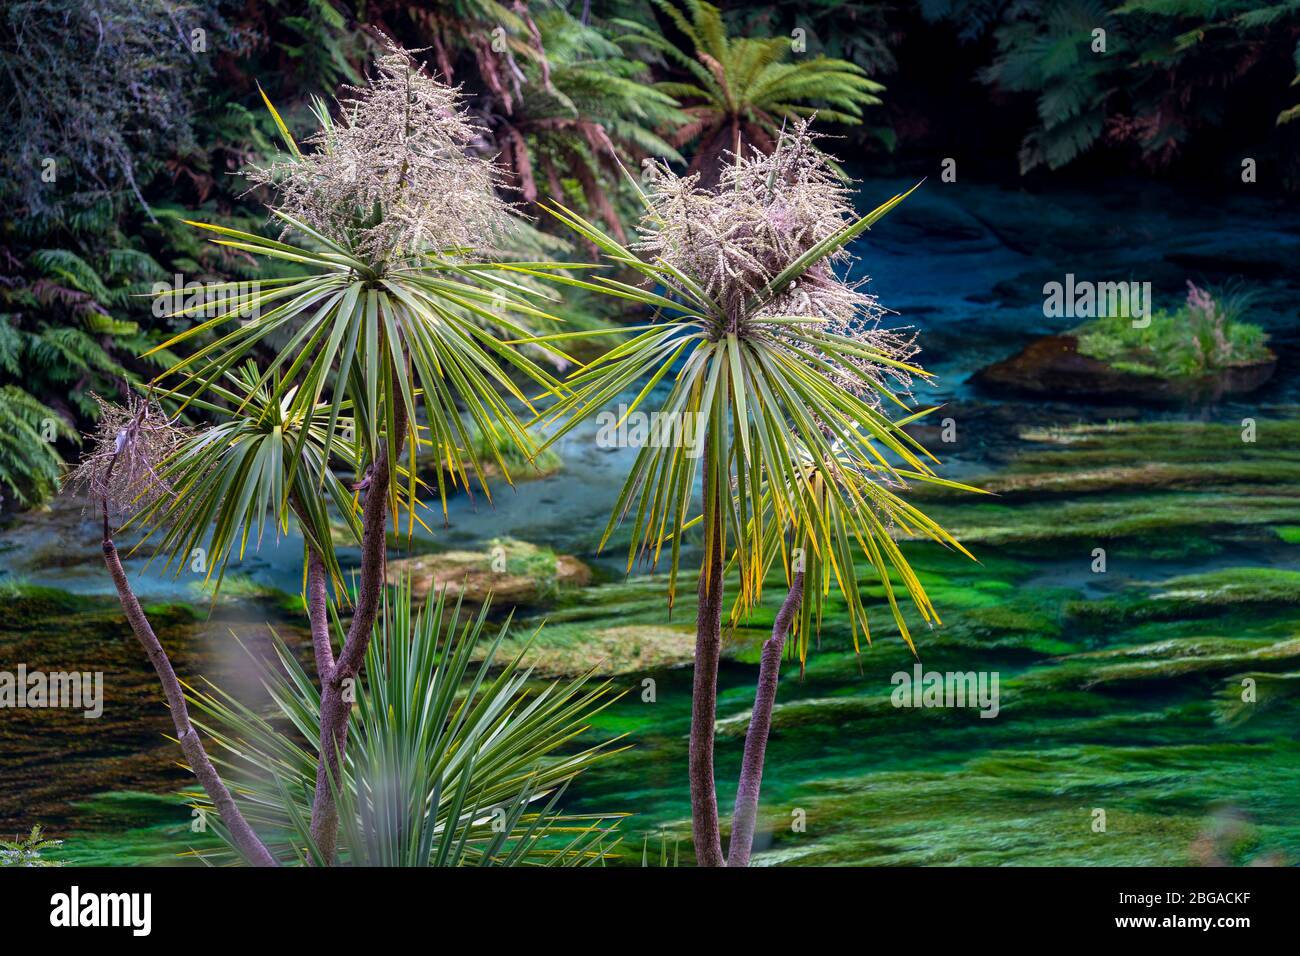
(745, 814)
(241, 834)
(704, 693)
(338, 682)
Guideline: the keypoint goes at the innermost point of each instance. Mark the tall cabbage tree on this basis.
(401, 307)
(814, 559)
(760, 340)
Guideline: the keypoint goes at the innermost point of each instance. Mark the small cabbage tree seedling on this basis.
(455, 759)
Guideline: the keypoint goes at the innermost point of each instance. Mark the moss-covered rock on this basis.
(565, 650)
(512, 573)
(1061, 366)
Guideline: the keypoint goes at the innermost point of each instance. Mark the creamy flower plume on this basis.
(765, 213)
(127, 450)
(394, 175)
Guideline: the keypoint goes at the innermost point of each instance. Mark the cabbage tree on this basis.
(456, 759)
(391, 337)
(758, 337)
(814, 559)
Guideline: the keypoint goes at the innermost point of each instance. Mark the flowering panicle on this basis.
(765, 213)
(395, 174)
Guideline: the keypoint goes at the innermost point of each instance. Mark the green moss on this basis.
(241, 587)
(1254, 693)
(1167, 660)
(28, 605)
(1234, 586)
(526, 559)
(1120, 442)
(166, 614)
(491, 451)
(135, 829)
(1120, 517)
(1156, 490)
(1042, 808)
(1265, 591)
(1008, 617)
(1071, 476)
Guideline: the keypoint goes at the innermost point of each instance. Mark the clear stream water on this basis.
(1141, 732)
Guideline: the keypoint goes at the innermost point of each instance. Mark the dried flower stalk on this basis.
(121, 472)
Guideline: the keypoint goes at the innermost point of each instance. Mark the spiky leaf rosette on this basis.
(456, 756)
(860, 511)
(771, 349)
(246, 474)
(390, 215)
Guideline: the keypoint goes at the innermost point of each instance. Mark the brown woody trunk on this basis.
(745, 814)
(241, 834)
(334, 708)
(704, 694)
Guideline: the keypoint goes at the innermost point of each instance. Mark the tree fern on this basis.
(30, 467)
(589, 109)
(1129, 73)
(739, 91)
